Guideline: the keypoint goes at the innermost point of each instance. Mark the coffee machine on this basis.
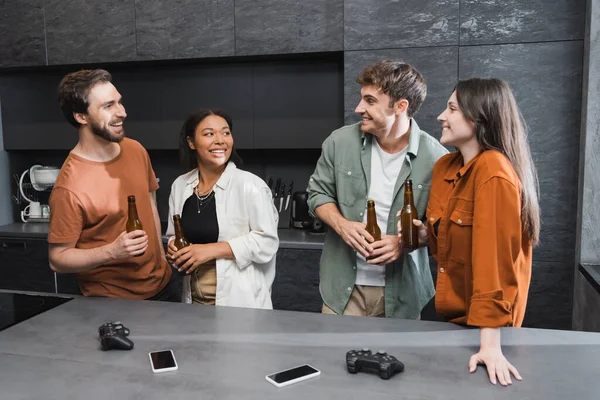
(41, 179)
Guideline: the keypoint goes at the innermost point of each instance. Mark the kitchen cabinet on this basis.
(22, 39)
(24, 265)
(296, 285)
(288, 26)
(296, 106)
(184, 29)
(67, 284)
(84, 31)
(284, 105)
(159, 99)
(44, 129)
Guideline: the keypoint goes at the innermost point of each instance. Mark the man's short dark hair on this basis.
(399, 81)
(74, 90)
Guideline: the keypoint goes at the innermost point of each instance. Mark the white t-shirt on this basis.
(385, 168)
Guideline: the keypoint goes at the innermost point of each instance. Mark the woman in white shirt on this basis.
(227, 214)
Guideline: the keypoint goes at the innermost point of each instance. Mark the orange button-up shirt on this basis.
(476, 236)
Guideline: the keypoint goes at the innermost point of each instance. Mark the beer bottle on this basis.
(133, 221)
(410, 237)
(372, 226)
(180, 241)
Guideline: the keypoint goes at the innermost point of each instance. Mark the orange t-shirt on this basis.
(89, 206)
(475, 234)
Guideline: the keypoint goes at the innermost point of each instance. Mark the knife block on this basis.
(285, 216)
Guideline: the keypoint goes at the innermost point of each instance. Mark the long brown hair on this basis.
(491, 106)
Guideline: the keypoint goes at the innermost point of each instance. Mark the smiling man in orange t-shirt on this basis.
(89, 200)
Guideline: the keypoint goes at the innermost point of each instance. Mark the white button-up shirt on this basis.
(247, 220)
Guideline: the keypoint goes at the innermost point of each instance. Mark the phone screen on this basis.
(162, 359)
(293, 373)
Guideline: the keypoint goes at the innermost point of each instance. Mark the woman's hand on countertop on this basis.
(490, 354)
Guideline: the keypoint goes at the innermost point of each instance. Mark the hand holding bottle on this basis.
(133, 223)
(422, 231)
(180, 240)
(129, 244)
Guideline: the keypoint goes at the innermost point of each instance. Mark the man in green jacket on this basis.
(371, 160)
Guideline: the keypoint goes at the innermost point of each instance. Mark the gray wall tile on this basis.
(439, 66)
(590, 143)
(550, 300)
(393, 24)
(516, 21)
(80, 31)
(22, 40)
(288, 26)
(184, 28)
(586, 305)
(546, 79)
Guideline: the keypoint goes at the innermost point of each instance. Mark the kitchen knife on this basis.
(287, 200)
(276, 189)
(270, 184)
(282, 194)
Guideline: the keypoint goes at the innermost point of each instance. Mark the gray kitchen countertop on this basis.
(225, 353)
(288, 238)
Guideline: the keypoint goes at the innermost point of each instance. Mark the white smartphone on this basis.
(293, 375)
(162, 361)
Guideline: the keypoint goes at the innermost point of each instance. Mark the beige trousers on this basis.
(204, 283)
(365, 301)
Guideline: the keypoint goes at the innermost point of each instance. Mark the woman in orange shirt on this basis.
(483, 217)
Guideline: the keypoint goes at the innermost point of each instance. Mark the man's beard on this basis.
(105, 133)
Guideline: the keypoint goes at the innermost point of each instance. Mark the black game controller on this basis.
(385, 364)
(113, 335)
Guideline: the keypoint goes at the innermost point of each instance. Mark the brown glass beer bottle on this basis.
(410, 237)
(372, 226)
(133, 221)
(180, 241)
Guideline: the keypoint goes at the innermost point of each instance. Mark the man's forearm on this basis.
(330, 214)
(74, 260)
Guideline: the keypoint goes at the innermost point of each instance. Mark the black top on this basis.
(199, 220)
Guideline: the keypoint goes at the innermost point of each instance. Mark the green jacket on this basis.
(342, 176)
